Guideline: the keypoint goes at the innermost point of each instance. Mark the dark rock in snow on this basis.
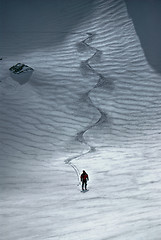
(19, 68)
(21, 73)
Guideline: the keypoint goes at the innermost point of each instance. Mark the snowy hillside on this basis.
(93, 102)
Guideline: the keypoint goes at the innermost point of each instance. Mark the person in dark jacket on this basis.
(84, 179)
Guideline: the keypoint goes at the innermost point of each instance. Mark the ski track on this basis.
(103, 116)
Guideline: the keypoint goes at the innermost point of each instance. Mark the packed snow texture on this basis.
(92, 102)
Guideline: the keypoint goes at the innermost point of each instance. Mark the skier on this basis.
(84, 179)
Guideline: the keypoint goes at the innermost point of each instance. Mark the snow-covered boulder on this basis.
(21, 73)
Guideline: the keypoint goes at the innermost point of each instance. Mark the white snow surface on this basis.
(92, 103)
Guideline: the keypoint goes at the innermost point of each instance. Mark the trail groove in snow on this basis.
(102, 81)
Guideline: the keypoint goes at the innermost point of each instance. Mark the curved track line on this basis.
(102, 81)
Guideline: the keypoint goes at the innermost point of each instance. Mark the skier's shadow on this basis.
(84, 191)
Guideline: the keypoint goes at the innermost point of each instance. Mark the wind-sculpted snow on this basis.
(94, 103)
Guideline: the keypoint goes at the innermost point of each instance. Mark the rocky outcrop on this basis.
(21, 73)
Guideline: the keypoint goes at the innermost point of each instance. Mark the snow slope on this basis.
(92, 103)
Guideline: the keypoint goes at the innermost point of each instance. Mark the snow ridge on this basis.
(102, 81)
